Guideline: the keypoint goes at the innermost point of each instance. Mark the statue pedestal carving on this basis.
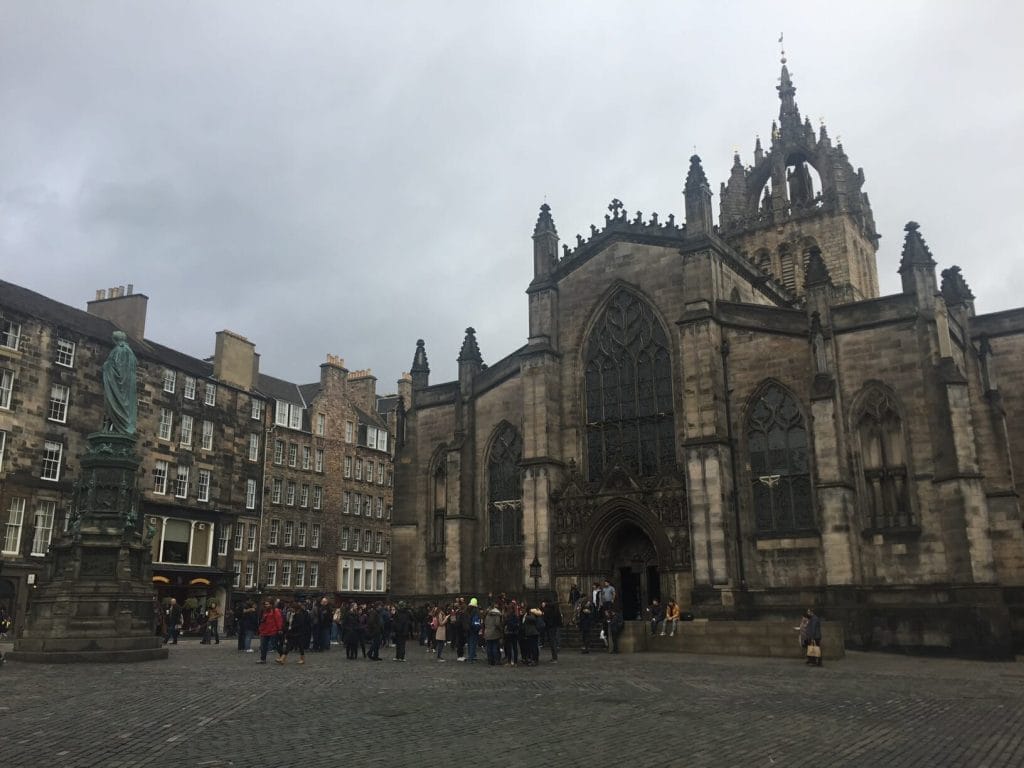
(95, 602)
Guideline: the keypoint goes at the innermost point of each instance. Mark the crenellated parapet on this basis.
(618, 223)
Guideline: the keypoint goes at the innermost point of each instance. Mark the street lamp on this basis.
(535, 568)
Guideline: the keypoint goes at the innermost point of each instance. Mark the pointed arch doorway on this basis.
(632, 557)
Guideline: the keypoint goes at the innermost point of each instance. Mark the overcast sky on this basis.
(347, 177)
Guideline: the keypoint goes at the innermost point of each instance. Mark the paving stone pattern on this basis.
(211, 706)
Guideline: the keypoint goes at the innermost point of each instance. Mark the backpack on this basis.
(475, 623)
(541, 626)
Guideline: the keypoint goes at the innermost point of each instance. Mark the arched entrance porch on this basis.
(628, 544)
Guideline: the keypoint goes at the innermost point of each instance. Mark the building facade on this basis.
(328, 491)
(248, 480)
(732, 416)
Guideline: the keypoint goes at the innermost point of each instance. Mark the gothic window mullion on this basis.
(627, 406)
(780, 464)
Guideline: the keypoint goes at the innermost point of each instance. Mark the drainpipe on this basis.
(735, 500)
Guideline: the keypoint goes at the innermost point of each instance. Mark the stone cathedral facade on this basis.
(732, 416)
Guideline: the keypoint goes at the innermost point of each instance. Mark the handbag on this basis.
(813, 651)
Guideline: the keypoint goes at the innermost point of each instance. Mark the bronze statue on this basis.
(119, 395)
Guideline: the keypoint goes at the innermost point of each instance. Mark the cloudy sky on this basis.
(346, 177)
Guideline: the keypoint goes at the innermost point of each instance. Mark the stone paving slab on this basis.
(211, 706)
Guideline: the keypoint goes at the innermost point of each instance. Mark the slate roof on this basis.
(279, 389)
(33, 304)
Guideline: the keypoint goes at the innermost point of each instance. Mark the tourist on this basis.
(270, 627)
(402, 624)
(374, 632)
(249, 627)
(473, 624)
(655, 615)
(213, 614)
(532, 622)
(458, 627)
(585, 621)
(613, 625)
(350, 631)
(493, 631)
(173, 622)
(553, 627)
(810, 637)
(595, 594)
(574, 594)
(671, 618)
(442, 618)
(511, 628)
(324, 624)
(607, 596)
(296, 635)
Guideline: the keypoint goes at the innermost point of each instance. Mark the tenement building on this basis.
(328, 486)
(732, 416)
(246, 476)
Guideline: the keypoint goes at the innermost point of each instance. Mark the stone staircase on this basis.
(731, 638)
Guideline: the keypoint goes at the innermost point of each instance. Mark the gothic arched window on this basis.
(882, 442)
(505, 488)
(779, 463)
(629, 391)
(440, 498)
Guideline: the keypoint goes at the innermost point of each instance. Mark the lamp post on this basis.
(535, 569)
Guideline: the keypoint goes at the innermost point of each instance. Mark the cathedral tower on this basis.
(801, 194)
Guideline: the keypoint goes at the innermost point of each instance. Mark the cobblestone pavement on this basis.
(212, 706)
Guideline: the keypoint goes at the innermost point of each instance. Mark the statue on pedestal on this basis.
(120, 400)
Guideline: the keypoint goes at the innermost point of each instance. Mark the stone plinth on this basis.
(95, 602)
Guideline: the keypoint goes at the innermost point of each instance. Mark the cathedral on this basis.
(731, 416)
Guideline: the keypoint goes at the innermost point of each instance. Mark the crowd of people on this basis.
(501, 631)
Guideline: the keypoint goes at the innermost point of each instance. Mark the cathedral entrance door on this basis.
(635, 562)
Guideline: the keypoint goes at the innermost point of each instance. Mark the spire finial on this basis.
(470, 352)
(782, 48)
(544, 221)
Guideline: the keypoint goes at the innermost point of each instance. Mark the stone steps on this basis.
(732, 638)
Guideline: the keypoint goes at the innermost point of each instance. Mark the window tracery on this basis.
(779, 463)
(628, 382)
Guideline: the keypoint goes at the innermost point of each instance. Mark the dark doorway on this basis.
(653, 584)
(635, 562)
(629, 591)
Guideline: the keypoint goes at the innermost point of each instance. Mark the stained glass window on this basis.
(628, 382)
(505, 488)
(779, 463)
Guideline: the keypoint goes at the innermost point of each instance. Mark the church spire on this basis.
(545, 244)
(697, 195)
(788, 111)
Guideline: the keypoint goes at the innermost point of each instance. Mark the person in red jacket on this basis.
(271, 626)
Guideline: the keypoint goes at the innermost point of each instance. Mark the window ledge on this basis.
(881, 535)
(804, 540)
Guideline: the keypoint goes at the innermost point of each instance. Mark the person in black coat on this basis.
(585, 619)
(296, 633)
(402, 624)
(552, 627)
(350, 631)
